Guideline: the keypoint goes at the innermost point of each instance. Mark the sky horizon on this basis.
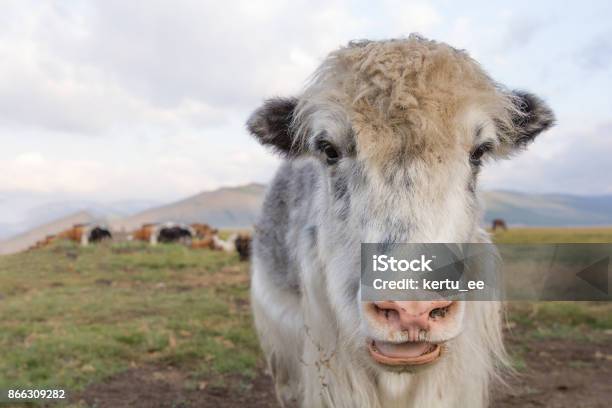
(111, 101)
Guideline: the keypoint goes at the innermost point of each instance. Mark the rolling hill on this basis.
(548, 210)
(228, 207)
(237, 207)
(22, 211)
(24, 240)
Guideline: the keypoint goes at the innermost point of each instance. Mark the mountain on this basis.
(228, 207)
(553, 210)
(22, 211)
(23, 241)
(237, 207)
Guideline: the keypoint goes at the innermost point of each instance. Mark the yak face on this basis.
(401, 129)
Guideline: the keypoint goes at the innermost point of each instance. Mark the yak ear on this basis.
(531, 117)
(272, 125)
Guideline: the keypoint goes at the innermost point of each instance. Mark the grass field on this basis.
(74, 317)
(554, 235)
(71, 316)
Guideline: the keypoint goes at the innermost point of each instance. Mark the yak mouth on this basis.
(410, 353)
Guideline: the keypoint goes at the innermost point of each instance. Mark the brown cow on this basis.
(499, 223)
(85, 234)
(204, 230)
(147, 233)
(76, 233)
(243, 246)
(205, 237)
(204, 243)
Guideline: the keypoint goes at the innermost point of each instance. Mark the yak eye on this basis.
(476, 156)
(331, 154)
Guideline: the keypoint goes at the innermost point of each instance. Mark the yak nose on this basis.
(414, 316)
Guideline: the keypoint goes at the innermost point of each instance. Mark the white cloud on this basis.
(32, 171)
(111, 62)
(412, 16)
(520, 30)
(573, 161)
(597, 54)
(147, 99)
(166, 177)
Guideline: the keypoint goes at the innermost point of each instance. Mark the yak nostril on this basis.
(389, 314)
(438, 312)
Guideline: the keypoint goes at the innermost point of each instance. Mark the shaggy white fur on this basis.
(381, 149)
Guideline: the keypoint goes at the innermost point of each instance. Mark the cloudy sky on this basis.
(120, 100)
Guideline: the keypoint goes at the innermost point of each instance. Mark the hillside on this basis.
(238, 207)
(22, 211)
(553, 210)
(23, 241)
(229, 207)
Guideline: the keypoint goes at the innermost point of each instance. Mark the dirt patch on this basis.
(558, 373)
(148, 387)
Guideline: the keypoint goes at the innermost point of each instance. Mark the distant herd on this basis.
(195, 236)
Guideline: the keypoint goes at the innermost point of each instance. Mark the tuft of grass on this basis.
(518, 363)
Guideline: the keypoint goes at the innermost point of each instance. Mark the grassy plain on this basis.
(74, 316)
(71, 316)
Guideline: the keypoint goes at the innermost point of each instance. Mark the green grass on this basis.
(71, 316)
(553, 235)
(545, 320)
(562, 320)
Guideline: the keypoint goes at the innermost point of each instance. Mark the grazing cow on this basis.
(498, 223)
(98, 234)
(85, 233)
(204, 243)
(204, 236)
(384, 145)
(78, 233)
(147, 233)
(243, 246)
(174, 233)
(203, 230)
(227, 245)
